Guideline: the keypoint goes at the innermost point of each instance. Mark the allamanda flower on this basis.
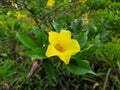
(85, 19)
(20, 16)
(50, 3)
(62, 45)
(9, 13)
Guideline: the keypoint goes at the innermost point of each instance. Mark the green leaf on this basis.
(82, 38)
(17, 25)
(38, 53)
(79, 67)
(41, 36)
(3, 69)
(90, 52)
(96, 41)
(50, 70)
(84, 52)
(79, 25)
(73, 25)
(92, 28)
(57, 26)
(96, 44)
(27, 41)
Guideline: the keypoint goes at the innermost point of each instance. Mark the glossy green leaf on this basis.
(90, 52)
(92, 28)
(84, 52)
(26, 41)
(96, 41)
(3, 69)
(57, 26)
(79, 67)
(79, 25)
(38, 53)
(50, 70)
(82, 38)
(73, 25)
(41, 36)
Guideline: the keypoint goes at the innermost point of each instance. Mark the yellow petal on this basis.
(64, 34)
(74, 47)
(71, 49)
(65, 57)
(64, 38)
(95, 85)
(8, 13)
(51, 51)
(69, 44)
(50, 3)
(53, 37)
(18, 13)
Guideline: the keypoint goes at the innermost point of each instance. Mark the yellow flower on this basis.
(9, 13)
(85, 15)
(62, 45)
(13, 4)
(83, 1)
(20, 16)
(95, 85)
(50, 3)
(85, 19)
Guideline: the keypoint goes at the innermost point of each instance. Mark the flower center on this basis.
(59, 48)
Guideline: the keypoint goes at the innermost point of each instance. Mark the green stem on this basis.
(106, 79)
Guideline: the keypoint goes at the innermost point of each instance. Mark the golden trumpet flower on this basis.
(50, 3)
(62, 45)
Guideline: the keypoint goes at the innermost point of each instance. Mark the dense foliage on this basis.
(25, 27)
